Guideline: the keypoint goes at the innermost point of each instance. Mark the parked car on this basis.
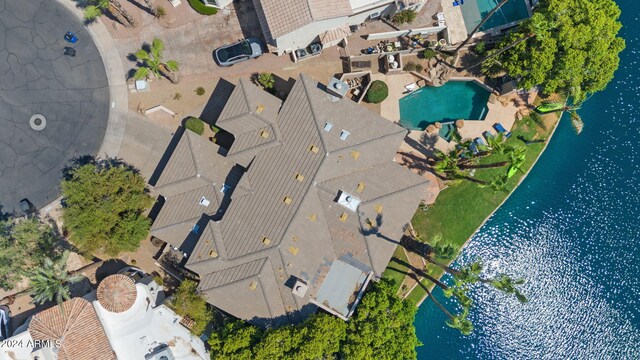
(132, 272)
(5, 317)
(238, 52)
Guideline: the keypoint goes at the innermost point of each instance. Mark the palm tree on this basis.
(499, 183)
(266, 80)
(151, 62)
(517, 156)
(51, 281)
(98, 7)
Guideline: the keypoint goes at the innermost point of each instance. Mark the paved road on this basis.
(36, 78)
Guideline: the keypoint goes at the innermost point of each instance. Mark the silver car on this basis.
(238, 52)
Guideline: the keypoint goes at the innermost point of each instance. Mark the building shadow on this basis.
(248, 19)
(109, 267)
(153, 179)
(217, 101)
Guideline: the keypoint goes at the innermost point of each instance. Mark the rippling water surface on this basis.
(573, 231)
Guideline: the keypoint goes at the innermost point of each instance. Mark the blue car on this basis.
(70, 37)
(243, 50)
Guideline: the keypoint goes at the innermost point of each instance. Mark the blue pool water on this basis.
(473, 11)
(452, 101)
(572, 230)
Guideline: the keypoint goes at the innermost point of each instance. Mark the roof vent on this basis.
(337, 89)
(204, 202)
(344, 134)
(300, 288)
(328, 126)
(349, 201)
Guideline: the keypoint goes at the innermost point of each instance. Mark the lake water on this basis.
(572, 229)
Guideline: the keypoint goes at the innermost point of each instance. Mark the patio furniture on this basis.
(480, 141)
(442, 23)
(474, 148)
(411, 87)
(500, 128)
(440, 16)
(488, 135)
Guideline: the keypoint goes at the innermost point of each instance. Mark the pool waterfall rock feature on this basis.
(437, 73)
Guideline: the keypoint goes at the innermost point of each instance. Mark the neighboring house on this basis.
(288, 25)
(281, 221)
(120, 320)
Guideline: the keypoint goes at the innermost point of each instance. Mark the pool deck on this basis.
(503, 112)
(455, 22)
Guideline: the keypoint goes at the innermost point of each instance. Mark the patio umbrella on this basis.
(460, 124)
(431, 129)
(438, 125)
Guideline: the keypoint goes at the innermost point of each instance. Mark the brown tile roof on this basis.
(76, 325)
(117, 293)
(288, 223)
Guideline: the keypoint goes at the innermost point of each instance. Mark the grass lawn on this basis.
(460, 209)
(396, 271)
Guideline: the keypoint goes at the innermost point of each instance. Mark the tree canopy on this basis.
(572, 47)
(187, 302)
(24, 244)
(381, 328)
(103, 207)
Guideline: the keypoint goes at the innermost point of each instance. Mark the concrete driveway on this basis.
(36, 78)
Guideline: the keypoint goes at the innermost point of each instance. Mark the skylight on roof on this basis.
(344, 134)
(328, 126)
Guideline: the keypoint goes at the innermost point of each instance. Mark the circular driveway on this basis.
(71, 93)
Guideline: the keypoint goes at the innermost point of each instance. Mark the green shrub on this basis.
(194, 124)
(409, 66)
(419, 67)
(480, 48)
(429, 54)
(186, 301)
(161, 12)
(377, 92)
(200, 91)
(177, 96)
(201, 8)
(404, 16)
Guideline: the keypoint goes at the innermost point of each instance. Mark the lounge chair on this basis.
(411, 87)
(488, 135)
(480, 141)
(500, 128)
(474, 148)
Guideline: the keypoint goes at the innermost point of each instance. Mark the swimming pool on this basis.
(449, 102)
(473, 11)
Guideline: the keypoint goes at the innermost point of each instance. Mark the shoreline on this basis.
(557, 122)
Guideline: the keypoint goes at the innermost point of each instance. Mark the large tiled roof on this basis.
(75, 324)
(287, 224)
(279, 17)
